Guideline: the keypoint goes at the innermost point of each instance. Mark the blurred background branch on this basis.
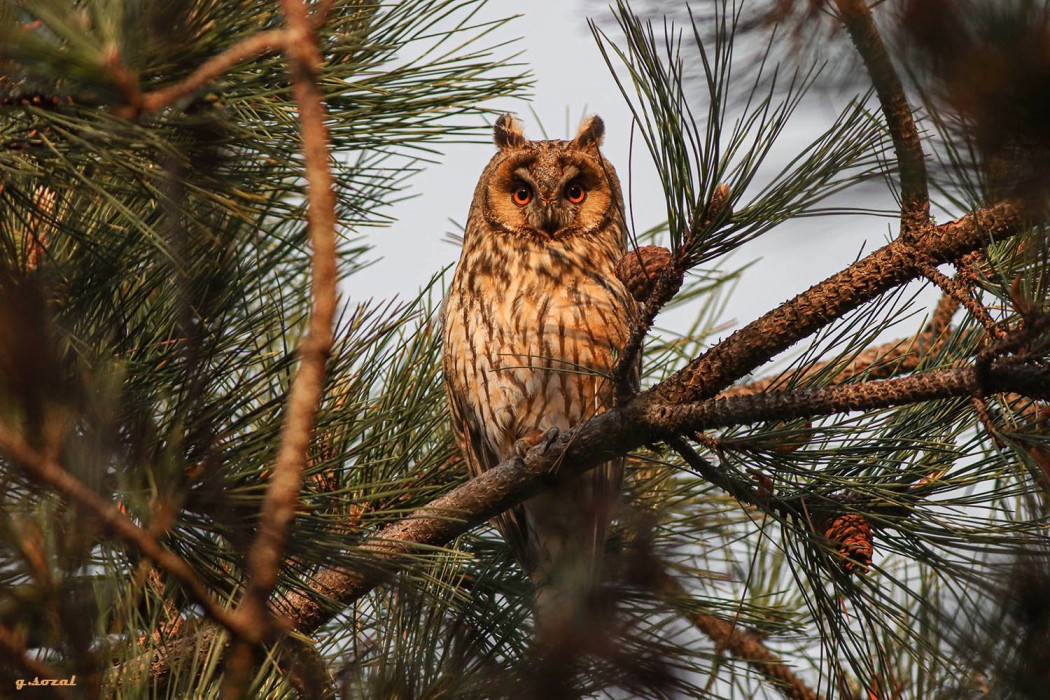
(157, 257)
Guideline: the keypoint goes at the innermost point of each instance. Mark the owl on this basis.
(532, 322)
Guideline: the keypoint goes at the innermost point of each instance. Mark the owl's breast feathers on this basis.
(531, 333)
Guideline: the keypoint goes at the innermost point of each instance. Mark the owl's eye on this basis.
(575, 193)
(522, 196)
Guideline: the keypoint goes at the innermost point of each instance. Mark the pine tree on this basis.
(222, 480)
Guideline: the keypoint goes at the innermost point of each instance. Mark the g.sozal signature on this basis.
(22, 683)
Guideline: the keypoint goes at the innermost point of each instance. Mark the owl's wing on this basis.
(512, 524)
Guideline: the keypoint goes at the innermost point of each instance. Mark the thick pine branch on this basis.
(612, 434)
(883, 361)
(886, 268)
(1030, 380)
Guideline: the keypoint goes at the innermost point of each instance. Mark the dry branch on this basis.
(744, 645)
(214, 68)
(266, 554)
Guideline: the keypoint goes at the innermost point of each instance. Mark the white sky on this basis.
(571, 77)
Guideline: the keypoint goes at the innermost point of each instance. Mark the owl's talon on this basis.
(535, 438)
(523, 445)
(552, 437)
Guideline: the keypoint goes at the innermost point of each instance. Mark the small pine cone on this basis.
(852, 535)
(719, 204)
(639, 269)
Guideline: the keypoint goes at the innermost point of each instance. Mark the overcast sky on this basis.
(571, 79)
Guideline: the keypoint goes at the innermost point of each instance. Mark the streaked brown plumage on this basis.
(533, 320)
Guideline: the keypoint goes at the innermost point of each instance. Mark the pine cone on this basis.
(639, 269)
(719, 204)
(852, 534)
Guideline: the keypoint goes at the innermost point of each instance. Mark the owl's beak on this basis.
(550, 224)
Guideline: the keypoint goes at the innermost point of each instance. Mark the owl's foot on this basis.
(552, 437)
(536, 437)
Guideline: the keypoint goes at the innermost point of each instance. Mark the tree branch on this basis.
(886, 268)
(657, 275)
(1028, 379)
(612, 434)
(264, 558)
(742, 644)
(624, 428)
(49, 472)
(891, 359)
(915, 196)
(215, 67)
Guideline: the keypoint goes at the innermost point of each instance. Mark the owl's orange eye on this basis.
(575, 193)
(522, 196)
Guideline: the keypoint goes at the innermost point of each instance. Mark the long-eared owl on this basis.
(533, 322)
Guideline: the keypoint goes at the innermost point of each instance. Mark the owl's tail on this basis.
(569, 568)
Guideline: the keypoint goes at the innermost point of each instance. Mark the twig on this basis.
(915, 196)
(49, 472)
(941, 318)
(266, 554)
(668, 282)
(215, 67)
(127, 81)
(960, 291)
(742, 644)
(738, 489)
(980, 407)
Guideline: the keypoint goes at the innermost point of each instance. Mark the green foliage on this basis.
(170, 256)
(154, 287)
(697, 149)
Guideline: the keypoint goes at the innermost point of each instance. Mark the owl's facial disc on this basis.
(549, 201)
(550, 190)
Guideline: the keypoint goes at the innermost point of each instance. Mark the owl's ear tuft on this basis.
(508, 132)
(592, 131)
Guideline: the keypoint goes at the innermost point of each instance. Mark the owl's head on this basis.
(549, 189)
